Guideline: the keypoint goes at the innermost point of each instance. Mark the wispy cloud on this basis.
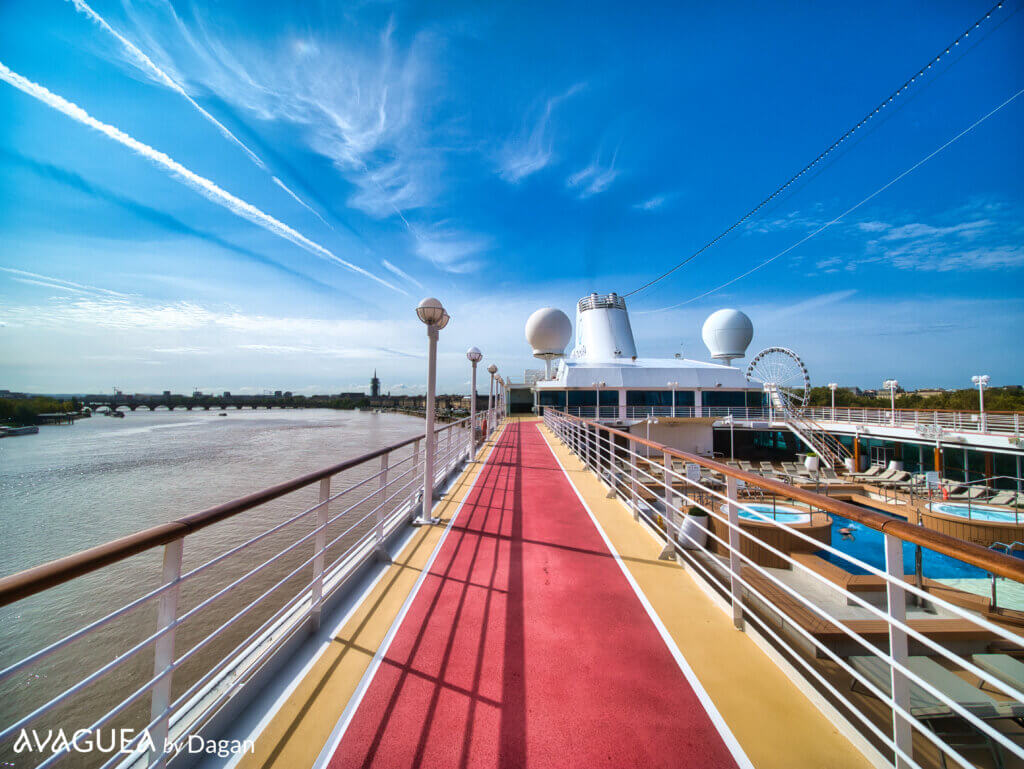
(198, 183)
(533, 148)
(140, 60)
(33, 278)
(451, 250)
(594, 178)
(400, 273)
(651, 204)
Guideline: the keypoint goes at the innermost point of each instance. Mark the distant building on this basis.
(929, 393)
(167, 393)
(375, 386)
(227, 394)
(277, 393)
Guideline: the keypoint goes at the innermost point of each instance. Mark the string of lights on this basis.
(841, 216)
(828, 151)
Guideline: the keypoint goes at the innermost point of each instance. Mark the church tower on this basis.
(375, 386)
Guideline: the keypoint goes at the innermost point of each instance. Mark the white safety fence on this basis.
(360, 503)
(920, 710)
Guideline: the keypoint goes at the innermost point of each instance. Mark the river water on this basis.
(73, 487)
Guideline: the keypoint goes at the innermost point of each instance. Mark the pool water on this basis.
(867, 545)
(977, 512)
(783, 514)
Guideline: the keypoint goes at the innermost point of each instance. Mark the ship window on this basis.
(658, 397)
(724, 398)
(587, 397)
(554, 398)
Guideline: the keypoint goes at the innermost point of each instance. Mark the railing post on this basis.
(668, 553)
(383, 496)
(902, 733)
(633, 483)
(167, 616)
(319, 543)
(735, 564)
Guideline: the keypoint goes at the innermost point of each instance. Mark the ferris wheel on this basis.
(782, 373)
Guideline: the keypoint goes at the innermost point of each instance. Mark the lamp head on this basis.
(431, 312)
(890, 384)
(981, 380)
(492, 369)
(474, 355)
(833, 385)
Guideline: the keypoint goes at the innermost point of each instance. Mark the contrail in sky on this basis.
(143, 62)
(198, 183)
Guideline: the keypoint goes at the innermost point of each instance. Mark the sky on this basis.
(248, 196)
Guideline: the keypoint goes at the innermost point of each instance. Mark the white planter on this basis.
(693, 534)
(849, 465)
(811, 463)
(895, 464)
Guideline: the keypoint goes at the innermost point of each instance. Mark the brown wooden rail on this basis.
(990, 560)
(39, 578)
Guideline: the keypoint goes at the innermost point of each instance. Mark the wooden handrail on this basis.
(991, 561)
(44, 576)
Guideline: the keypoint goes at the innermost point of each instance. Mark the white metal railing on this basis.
(995, 423)
(664, 486)
(359, 506)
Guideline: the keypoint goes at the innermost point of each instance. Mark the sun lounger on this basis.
(1004, 498)
(871, 472)
(767, 468)
(744, 465)
(1002, 666)
(926, 707)
(974, 492)
(829, 474)
(899, 478)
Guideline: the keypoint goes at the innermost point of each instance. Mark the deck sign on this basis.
(692, 471)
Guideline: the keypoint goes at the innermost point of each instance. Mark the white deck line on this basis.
(705, 700)
(338, 733)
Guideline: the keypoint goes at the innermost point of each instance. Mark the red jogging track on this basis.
(526, 646)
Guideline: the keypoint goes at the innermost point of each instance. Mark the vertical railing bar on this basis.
(319, 544)
(898, 647)
(735, 588)
(167, 616)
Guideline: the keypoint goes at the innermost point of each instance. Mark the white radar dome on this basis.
(548, 331)
(727, 334)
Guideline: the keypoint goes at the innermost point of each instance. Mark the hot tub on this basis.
(976, 512)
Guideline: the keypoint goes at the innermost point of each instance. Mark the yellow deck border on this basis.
(300, 728)
(776, 724)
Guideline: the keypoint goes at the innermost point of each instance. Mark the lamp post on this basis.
(732, 440)
(982, 381)
(891, 385)
(492, 370)
(433, 315)
(474, 356)
(673, 385)
(597, 401)
(833, 386)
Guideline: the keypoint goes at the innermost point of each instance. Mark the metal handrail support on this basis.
(735, 589)
(163, 664)
(319, 545)
(896, 605)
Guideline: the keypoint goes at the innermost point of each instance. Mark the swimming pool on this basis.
(783, 513)
(977, 512)
(867, 545)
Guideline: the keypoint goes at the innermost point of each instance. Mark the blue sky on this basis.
(246, 196)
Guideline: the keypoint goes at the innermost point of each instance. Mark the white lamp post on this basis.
(474, 356)
(597, 396)
(982, 381)
(492, 370)
(673, 385)
(433, 315)
(891, 385)
(833, 386)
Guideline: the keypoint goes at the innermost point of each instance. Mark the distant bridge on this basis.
(205, 403)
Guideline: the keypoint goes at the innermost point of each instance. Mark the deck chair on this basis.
(1002, 666)
(829, 474)
(767, 468)
(899, 478)
(790, 469)
(934, 711)
(1004, 498)
(744, 465)
(871, 472)
(973, 492)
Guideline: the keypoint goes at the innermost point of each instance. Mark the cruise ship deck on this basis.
(537, 626)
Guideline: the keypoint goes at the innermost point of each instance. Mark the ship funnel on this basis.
(727, 334)
(548, 331)
(603, 332)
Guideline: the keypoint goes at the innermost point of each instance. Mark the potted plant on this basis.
(693, 534)
(812, 462)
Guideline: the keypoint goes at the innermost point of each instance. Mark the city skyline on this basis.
(209, 197)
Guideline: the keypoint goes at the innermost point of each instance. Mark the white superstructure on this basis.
(605, 364)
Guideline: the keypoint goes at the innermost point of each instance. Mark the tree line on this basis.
(996, 399)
